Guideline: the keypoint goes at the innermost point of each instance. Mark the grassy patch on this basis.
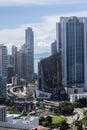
(40, 110)
(84, 121)
(57, 119)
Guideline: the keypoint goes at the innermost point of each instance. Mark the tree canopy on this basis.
(65, 108)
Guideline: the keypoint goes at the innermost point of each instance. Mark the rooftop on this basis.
(2, 106)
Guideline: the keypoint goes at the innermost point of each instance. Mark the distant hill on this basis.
(37, 58)
(41, 55)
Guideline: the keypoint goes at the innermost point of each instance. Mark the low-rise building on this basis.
(19, 123)
(76, 97)
(74, 90)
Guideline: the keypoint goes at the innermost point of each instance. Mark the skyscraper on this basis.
(3, 71)
(58, 36)
(54, 47)
(3, 61)
(74, 51)
(29, 38)
(20, 64)
(29, 48)
(14, 58)
(3, 89)
(49, 74)
(24, 63)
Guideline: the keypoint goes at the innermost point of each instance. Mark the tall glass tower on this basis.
(29, 38)
(29, 43)
(74, 51)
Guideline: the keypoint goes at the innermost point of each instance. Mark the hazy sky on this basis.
(41, 15)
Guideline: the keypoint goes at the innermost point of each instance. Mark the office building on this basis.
(10, 60)
(20, 64)
(74, 51)
(29, 38)
(14, 58)
(15, 122)
(75, 97)
(10, 70)
(3, 89)
(29, 64)
(3, 60)
(23, 60)
(25, 63)
(2, 114)
(49, 73)
(15, 80)
(58, 37)
(3, 72)
(29, 47)
(74, 90)
(54, 47)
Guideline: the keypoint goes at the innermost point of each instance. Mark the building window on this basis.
(75, 90)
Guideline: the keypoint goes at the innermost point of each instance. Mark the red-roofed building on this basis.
(40, 128)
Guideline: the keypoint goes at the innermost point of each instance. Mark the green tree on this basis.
(57, 111)
(64, 126)
(79, 126)
(85, 112)
(41, 120)
(49, 119)
(66, 108)
(82, 102)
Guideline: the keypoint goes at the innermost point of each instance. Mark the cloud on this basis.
(44, 33)
(39, 2)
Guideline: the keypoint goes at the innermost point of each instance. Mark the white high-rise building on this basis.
(73, 40)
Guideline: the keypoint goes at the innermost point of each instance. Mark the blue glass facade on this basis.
(75, 51)
(29, 41)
